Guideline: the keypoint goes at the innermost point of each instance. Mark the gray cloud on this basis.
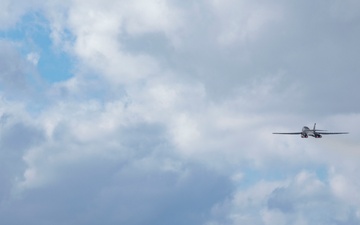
(13, 77)
(121, 192)
(16, 137)
(306, 44)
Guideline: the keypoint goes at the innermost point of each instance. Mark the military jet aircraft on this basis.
(306, 132)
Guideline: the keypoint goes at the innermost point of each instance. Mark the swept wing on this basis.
(326, 133)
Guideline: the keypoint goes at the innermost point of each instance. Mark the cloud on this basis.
(14, 124)
(131, 161)
(168, 115)
(242, 22)
(33, 58)
(304, 199)
(12, 11)
(16, 72)
(98, 30)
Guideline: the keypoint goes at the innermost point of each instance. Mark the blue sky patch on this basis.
(32, 34)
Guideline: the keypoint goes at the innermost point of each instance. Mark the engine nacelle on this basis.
(304, 136)
(318, 136)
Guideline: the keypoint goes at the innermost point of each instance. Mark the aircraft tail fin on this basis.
(314, 129)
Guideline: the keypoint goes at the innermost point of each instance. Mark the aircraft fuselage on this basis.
(306, 132)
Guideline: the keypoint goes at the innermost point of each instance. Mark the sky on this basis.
(162, 112)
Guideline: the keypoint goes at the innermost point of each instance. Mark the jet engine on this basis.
(304, 136)
(318, 136)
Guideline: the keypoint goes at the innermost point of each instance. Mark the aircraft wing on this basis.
(326, 133)
(294, 133)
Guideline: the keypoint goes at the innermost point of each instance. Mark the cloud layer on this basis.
(168, 113)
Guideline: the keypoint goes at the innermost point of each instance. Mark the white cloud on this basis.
(33, 57)
(11, 11)
(98, 30)
(302, 200)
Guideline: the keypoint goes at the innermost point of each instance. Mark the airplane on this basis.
(306, 132)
